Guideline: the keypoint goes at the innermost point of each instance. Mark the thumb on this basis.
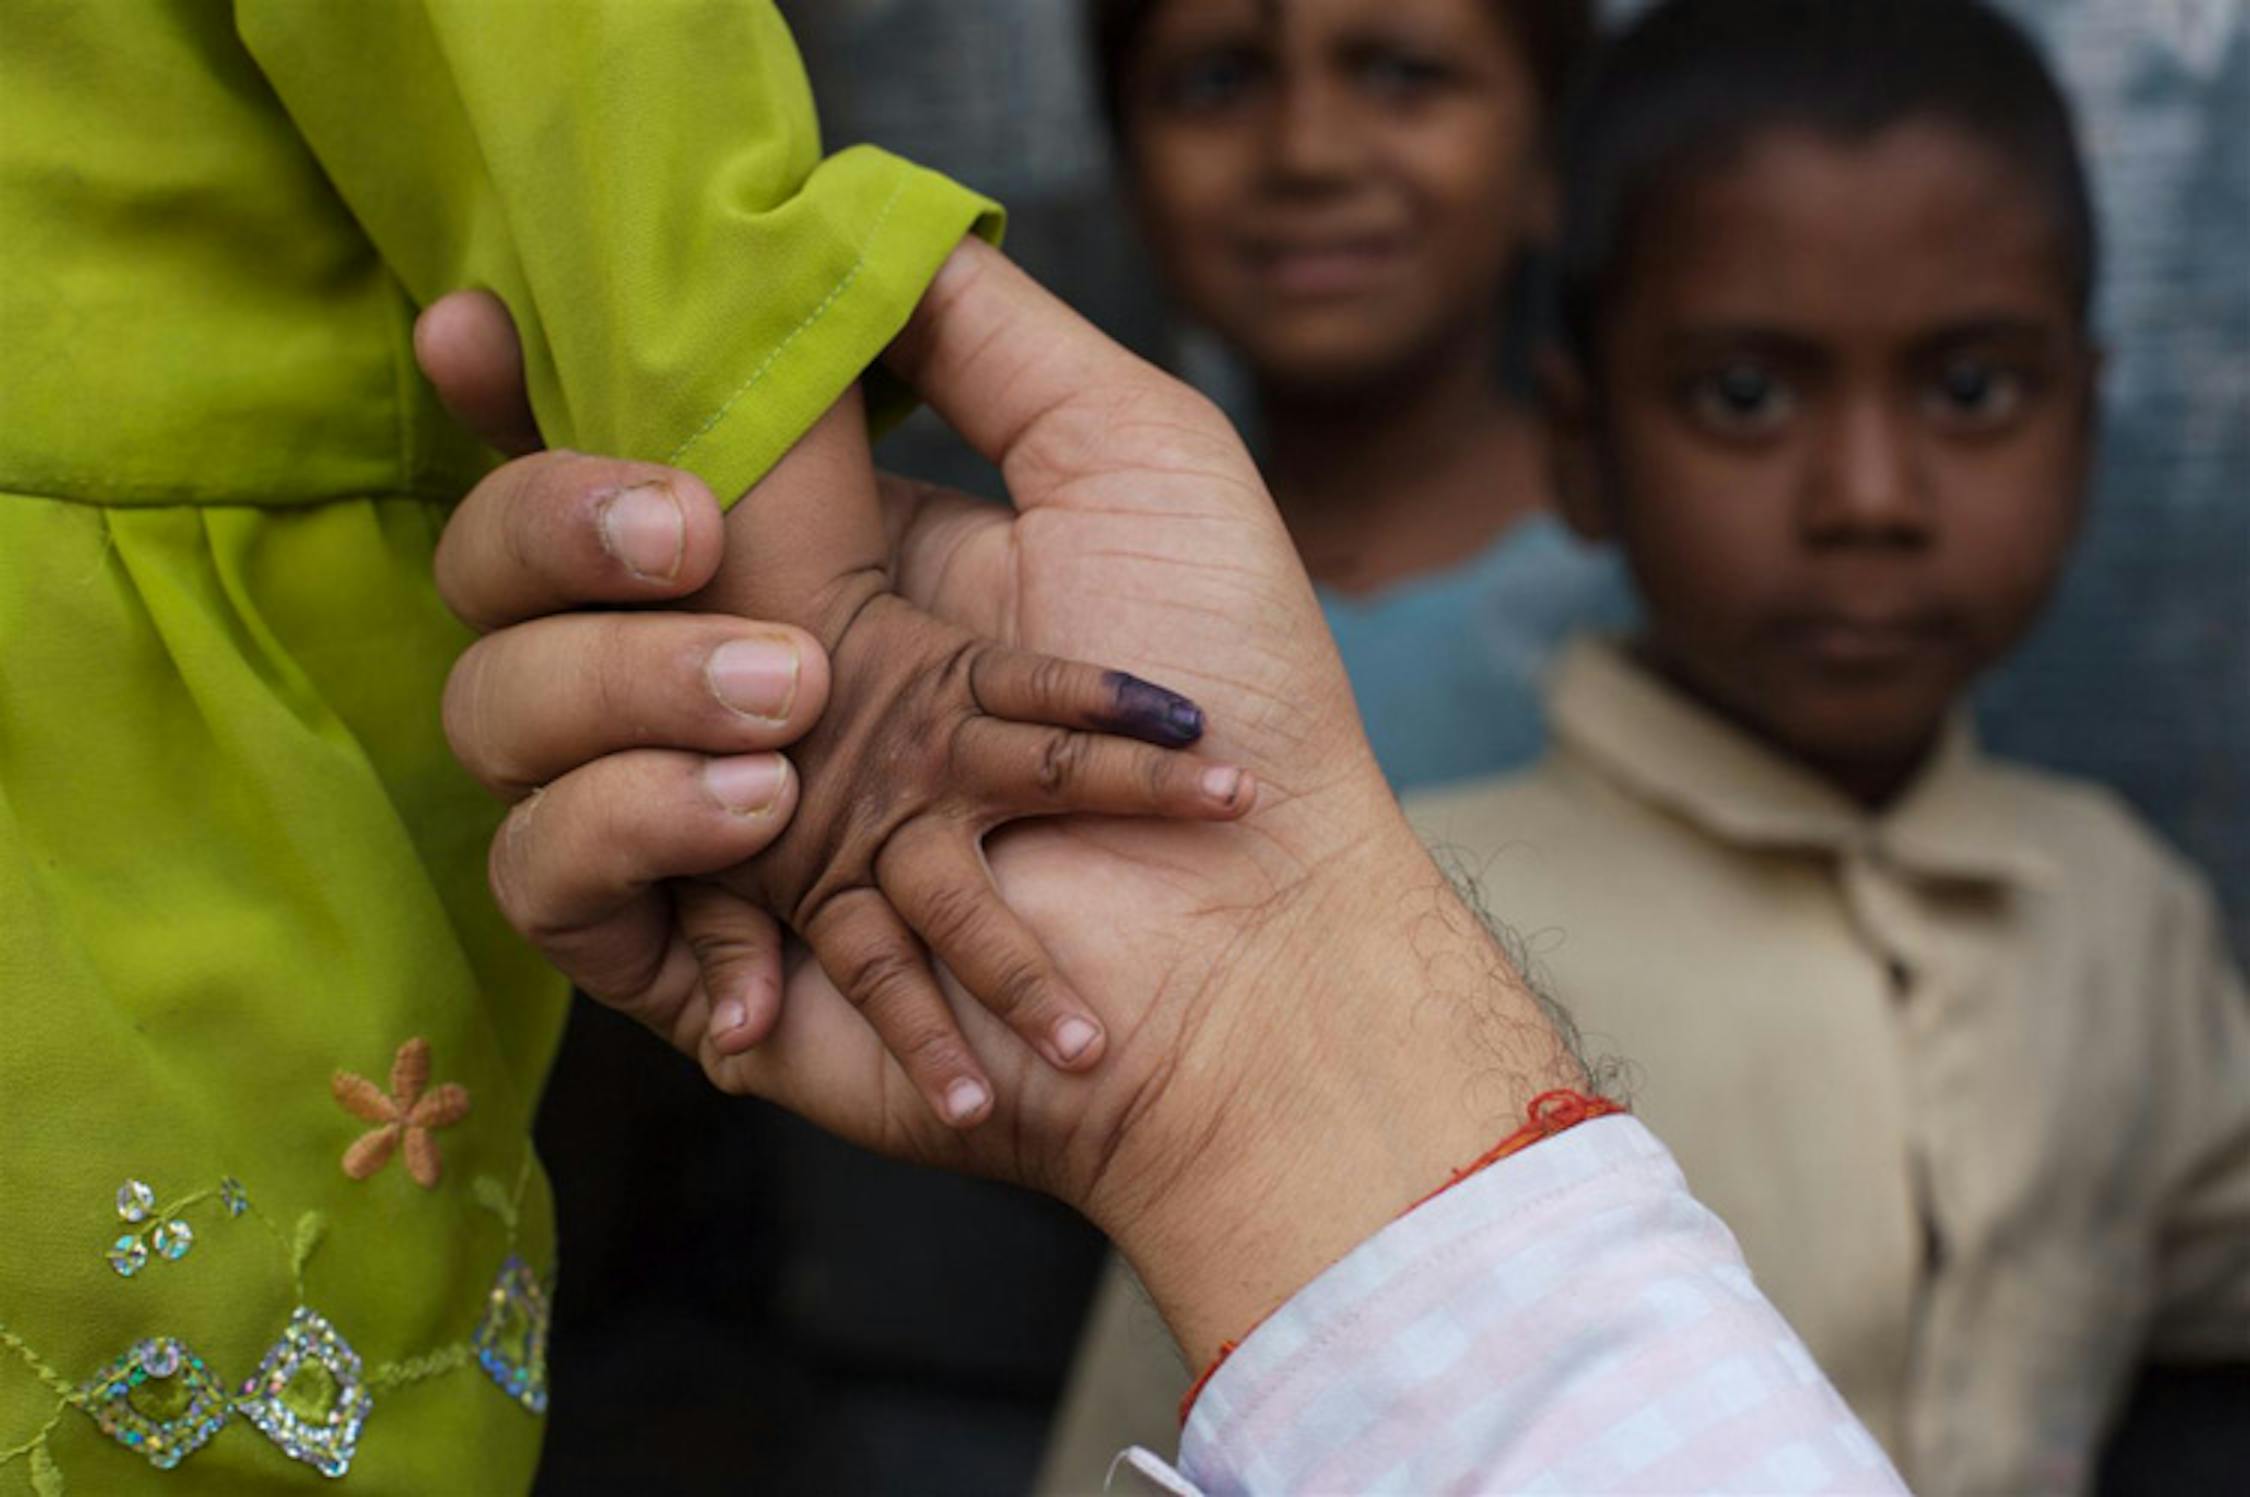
(467, 346)
(999, 357)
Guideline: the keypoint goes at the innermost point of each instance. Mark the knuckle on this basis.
(1159, 771)
(722, 948)
(1062, 762)
(925, 1047)
(1052, 683)
(953, 914)
(964, 675)
(610, 679)
(880, 978)
(1019, 983)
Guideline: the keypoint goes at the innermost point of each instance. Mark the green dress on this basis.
(268, 1057)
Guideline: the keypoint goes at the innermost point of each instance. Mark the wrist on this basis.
(1364, 1041)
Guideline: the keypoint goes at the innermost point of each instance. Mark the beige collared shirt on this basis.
(1970, 1080)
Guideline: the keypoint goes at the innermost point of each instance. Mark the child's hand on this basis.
(932, 738)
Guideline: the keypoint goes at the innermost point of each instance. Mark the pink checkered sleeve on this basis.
(1569, 1320)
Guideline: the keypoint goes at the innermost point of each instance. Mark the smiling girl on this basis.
(1350, 196)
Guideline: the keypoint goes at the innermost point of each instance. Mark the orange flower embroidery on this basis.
(411, 1111)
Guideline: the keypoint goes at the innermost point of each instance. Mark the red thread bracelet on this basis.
(1550, 1113)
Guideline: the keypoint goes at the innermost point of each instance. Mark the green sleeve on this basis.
(641, 182)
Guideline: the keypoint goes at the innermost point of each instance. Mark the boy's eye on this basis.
(1213, 81)
(1976, 394)
(1400, 76)
(1740, 399)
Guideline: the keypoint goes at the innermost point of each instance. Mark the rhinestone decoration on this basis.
(158, 1358)
(309, 1396)
(233, 1196)
(134, 1201)
(172, 1239)
(158, 1399)
(128, 1255)
(511, 1340)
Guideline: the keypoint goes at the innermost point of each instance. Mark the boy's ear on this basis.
(1573, 454)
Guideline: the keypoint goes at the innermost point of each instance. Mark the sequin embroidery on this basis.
(158, 1399)
(310, 1395)
(511, 1340)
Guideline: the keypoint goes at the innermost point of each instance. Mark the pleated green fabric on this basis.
(235, 856)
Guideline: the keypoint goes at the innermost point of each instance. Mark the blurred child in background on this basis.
(1353, 198)
(1954, 1046)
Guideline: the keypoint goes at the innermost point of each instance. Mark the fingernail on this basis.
(746, 784)
(644, 527)
(1222, 785)
(1072, 1036)
(1148, 711)
(732, 1015)
(964, 1099)
(756, 677)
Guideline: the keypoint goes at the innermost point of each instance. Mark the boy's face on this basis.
(1333, 186)
(1841, 428)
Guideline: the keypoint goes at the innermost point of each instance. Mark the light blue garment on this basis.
(1449, 668)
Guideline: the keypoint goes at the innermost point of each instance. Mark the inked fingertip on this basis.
(1148, 711)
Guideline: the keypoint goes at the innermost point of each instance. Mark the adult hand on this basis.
(1301, 989)
(606, 811)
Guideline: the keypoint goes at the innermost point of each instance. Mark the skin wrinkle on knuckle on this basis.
(1062, 763)
(926, 1047)
(879, 978)
(1020, 986)
(1052, 684)
(611, 677)
(723, 949)
(1157, 771)
(954, 915)
(953, 680)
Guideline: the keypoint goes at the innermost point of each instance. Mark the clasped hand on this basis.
(1264, 984)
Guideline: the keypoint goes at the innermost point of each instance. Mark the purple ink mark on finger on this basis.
(1142, 709)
